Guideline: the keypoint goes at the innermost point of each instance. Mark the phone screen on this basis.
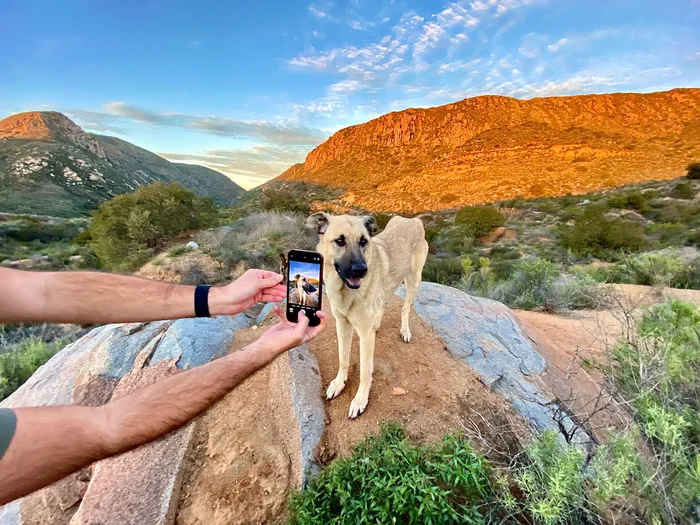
(304, 285)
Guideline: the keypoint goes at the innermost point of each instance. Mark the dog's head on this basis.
(344, 241)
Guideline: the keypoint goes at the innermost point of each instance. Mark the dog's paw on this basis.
(358, 404)
(335, 388)
(406, 335)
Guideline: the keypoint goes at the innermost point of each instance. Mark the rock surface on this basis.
(109, 362)
(485, 334)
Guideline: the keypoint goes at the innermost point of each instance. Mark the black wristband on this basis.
(201, 300)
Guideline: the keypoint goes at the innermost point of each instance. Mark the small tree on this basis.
(481, 220)
(694, 171)
(593, 234)
(128, 229)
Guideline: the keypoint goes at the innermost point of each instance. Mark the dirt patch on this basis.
(442, 395)
(574, 346)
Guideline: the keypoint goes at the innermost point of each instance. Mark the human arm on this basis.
(97, 298)
(52, 442)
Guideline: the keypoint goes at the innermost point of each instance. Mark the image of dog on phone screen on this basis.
(304, 285)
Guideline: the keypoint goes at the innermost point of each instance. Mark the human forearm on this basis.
(152, 412)
(52, 442)
(95, 298)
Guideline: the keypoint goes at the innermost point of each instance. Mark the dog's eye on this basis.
(363, 242)
(340, 241)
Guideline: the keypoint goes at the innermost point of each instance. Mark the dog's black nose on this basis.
(358, 270)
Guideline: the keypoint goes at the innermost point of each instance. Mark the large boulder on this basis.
(143, 486)
(485, 334)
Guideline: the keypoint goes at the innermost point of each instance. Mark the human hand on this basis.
(250, 288)
(285, 335)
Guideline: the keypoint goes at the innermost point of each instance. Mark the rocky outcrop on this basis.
(486, 335)
(238, 462)
(490, 148)
(48, 125)
(143, 486)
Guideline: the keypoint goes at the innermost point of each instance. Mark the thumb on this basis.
(302, 325)
(269, 282)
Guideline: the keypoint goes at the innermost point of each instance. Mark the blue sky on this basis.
(305, 269)
(250, 88)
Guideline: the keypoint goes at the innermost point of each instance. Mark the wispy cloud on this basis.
(123, 113)
(318, 12)
(581, 39)
(247, 166)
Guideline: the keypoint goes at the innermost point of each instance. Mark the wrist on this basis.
(266, 350)
(217, 302)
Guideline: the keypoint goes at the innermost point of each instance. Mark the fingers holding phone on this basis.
(304, 285)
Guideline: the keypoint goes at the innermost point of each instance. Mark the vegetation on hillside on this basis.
(19, 361)
(484, 149)
(552, 253)
(131, 228)
(44, 243)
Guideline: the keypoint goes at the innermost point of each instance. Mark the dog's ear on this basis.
(319, 222)
(370, 224)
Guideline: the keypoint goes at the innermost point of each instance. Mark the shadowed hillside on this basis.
(50, 166)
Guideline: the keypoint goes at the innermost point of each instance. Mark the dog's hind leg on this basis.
(359, 403)
(412, 281)
(344, 329)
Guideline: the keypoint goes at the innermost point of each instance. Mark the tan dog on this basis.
(361, 274)
(304, 291)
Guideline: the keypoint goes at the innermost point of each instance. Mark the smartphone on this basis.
(304, 285)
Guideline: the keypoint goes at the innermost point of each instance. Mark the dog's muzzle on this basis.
(353, 277)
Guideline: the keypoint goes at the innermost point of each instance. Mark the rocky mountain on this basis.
(491, 148)
(50, 166)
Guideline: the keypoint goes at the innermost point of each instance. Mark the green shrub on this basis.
(128, 229)
(457, 239)
(668, 234)
(388, 480)
(693, 171)
(654, 269)
(657, 370)
(177, 251)
(635, 201)
(594, 235)
(532, 284)
(683, 190)
(20, 362)
(678, 212)
(479, 220)
(551, 479)
(442, 270)
(556, 484)
(281, 201)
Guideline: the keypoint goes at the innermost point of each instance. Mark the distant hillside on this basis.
(50, 166)
(492, 148)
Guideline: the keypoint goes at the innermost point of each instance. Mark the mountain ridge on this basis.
(491, 147)
(50, 166)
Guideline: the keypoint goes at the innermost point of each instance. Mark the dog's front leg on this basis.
(344, 330)
(358, 405)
